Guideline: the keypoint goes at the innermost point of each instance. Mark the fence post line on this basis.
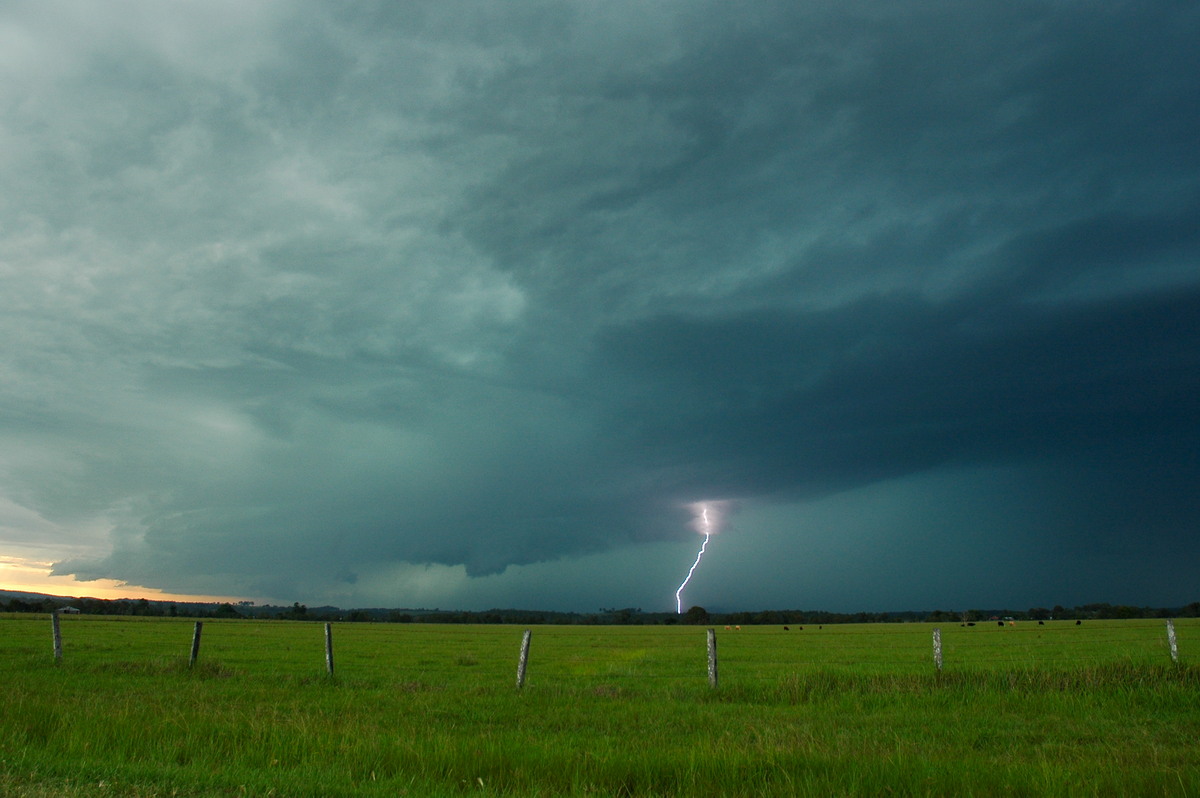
(523, 660)
(329, 648)
(712, 658)
(1171, 640)
(195, 644)
(937, 648)
(57, 636)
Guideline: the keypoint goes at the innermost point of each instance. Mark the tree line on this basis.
(604, 616)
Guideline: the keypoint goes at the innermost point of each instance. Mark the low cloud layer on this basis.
(423, 304)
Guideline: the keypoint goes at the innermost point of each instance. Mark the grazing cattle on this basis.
(1041, 623)
(726, 628)
(786, 629)
(738, 628)
(999, 623)
(1078, 622)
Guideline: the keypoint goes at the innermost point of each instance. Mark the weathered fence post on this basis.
(195, 644)
(712, 658)
(329, 648)
(1171, 640)
(523, 660)
(937, 648)
(57, 636)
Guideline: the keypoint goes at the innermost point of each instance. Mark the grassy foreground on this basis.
(428, 710)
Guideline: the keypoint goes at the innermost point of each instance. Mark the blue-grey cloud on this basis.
(456, 305)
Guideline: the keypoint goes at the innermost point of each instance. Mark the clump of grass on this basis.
(1105, 676)
(824, 684)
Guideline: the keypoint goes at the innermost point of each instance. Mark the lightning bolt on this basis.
(707, 534)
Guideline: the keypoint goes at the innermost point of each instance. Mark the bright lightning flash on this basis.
(705, 525)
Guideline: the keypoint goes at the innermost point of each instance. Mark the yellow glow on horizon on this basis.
(33, 576)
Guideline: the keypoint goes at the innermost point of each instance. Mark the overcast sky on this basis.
(460, 304)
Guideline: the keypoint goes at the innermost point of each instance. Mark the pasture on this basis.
(430, 710)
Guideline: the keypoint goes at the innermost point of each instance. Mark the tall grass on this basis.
(433, 710)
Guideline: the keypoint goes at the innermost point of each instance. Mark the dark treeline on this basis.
(617, 616)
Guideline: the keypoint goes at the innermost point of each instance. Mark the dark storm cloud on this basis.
(888, 386)
(463, 303)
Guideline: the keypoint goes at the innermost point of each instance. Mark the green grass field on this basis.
(426, 710)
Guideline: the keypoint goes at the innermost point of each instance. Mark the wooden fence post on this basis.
(329, 648)
(57, 636)
(523, 660)
(1171, 640)
(712, 658)
(195, 644)
(937, 648)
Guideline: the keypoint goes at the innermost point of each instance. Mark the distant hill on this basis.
(16, 594)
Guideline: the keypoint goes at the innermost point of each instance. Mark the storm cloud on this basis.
(455, 304)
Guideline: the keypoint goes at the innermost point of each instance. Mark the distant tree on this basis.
(226, 610)
(622, 615)
(695, 615)
(298, 612)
